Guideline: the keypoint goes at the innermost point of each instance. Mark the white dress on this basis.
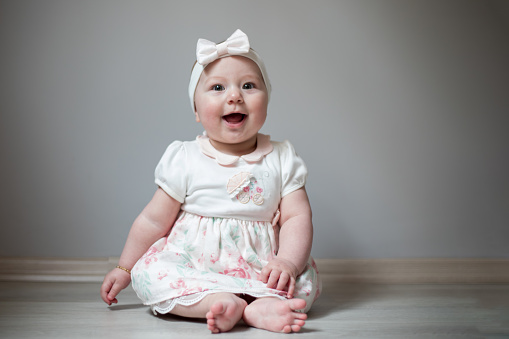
(227, 230)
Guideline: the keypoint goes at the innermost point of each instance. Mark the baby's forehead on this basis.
(233, 64)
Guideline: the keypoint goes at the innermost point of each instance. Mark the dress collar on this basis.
(263, 147)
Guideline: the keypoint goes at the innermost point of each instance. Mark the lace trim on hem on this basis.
(187, 300)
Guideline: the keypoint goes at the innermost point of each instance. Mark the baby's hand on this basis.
(114, 282)
(281, 275)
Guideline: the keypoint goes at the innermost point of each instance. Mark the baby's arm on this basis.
(295, 240)
(153, 223)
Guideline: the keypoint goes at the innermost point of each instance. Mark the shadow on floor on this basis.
(338, 296)
(125, 307)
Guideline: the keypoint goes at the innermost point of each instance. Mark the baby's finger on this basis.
(273, 278)
(105, 289)
(264, 274)
(291, 287)
(115, 290)
(283, 281)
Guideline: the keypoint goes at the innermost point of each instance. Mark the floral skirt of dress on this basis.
(203, 255)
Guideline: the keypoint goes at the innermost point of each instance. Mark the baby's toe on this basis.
(296, 328)
(287, 329)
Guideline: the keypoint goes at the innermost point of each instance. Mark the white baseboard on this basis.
(393, 271)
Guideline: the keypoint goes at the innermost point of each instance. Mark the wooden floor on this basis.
(74, 310)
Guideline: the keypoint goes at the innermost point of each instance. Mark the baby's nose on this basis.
(234, 95)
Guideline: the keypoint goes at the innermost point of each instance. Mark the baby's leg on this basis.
(222, 310)
(276, 315)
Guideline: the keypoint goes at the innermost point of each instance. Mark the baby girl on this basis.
(227, 235)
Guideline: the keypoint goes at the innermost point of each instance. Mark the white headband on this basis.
(207, 52)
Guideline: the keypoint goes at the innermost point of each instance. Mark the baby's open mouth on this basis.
(234, 118)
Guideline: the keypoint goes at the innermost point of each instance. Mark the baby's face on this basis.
(231, 102)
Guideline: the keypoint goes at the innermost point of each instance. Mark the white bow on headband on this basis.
(207, 51)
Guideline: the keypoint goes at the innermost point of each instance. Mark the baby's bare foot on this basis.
(276, 315)
(225, 313)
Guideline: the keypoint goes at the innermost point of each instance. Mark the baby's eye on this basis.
(248, 85)
(218, 88)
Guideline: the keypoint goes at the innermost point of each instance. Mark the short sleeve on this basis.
(170, 173)
(293, 169)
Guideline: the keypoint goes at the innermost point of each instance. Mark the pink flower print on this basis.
(162, 275)
(179, 284)
(149, 256)
(242, 262)
(259, 190)
(307, 291)
(236, 273)
(213, 260)
(149, 260)
(313, 264)
(152, 250)
(246, 189)
(192, 290)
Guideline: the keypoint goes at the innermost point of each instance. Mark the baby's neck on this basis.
(243, 148)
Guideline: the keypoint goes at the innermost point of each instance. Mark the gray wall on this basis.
(400, 108)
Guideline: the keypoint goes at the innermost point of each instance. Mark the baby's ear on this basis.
(196, 115)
